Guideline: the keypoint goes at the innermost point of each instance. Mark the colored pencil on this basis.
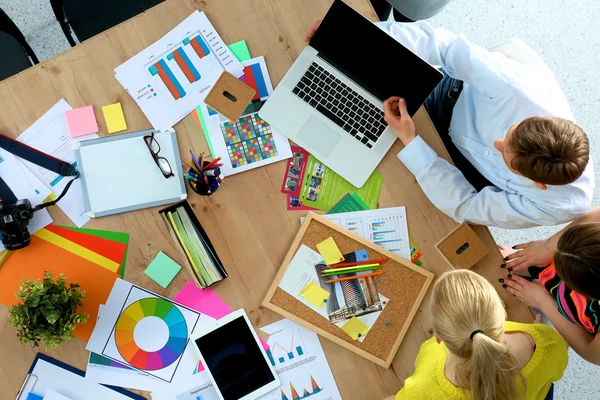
(349, 278)
(350, 271)
(213, 162)
(365, 266)
(202, 160)
(349, 264)
(194, 167)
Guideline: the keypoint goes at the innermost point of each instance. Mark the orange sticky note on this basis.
(355, 328)
(315, 294)
(330, 252)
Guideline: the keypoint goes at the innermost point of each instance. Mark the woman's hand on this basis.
(537, 253)
(533, 294)
(312, 31)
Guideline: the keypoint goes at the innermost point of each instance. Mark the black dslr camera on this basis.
(14, 219)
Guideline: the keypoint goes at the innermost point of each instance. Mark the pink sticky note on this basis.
(206, 301)
(81, 121)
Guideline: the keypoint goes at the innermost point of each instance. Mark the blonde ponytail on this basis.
(468, 317)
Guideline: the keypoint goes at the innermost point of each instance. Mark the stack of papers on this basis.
(172, 76)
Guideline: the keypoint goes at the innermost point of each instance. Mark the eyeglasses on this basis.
(161, 162)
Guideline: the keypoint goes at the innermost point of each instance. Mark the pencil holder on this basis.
(203, 188)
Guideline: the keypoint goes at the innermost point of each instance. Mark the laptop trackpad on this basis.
(319, 136)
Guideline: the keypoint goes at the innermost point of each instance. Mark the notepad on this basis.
(315, 294)
(330, 252)
(355, 328)
(162, 269)
(81, 121)
(115, 120)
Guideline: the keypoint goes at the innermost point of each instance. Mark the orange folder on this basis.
(39, 256)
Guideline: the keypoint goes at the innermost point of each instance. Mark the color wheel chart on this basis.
(386, 231)
(127, 342)
(177, 70)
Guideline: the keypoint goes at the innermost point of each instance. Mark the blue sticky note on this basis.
(162, 269)
(33, 396)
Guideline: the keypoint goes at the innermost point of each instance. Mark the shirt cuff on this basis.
(417, 155)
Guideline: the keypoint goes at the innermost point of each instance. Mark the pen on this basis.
(355, 277)
(349, 264)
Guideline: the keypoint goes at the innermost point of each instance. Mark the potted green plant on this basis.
(47, 311)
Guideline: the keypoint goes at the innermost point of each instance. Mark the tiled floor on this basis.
(564, 33)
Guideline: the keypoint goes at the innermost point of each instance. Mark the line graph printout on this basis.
(171, 77)
(386, 227)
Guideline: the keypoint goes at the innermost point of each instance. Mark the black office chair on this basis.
(82, 19)
(16, 53)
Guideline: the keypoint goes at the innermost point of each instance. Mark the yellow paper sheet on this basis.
(115, 120)
(315, 294)
(354, 327)
(330, 252)
(77, 249)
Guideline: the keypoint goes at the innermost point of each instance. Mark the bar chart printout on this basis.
(280, 353)
(386, 231)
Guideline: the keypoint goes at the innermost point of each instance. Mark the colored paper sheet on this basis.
(162, 269)
(205, 301)
(41, 256)
(115, 120)
(349, 203)
(81, 121)
(329, 251)
(355, 328)
(120, 237)
(315, 294)
(110, 249)
(241, 52)
(77, 249)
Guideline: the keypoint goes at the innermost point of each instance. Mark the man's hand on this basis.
(532, 254)
(312, 31)
(532, 294)
(398, 119)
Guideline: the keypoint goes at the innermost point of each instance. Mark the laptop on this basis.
(330, 102)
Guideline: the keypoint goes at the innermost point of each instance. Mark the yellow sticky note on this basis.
(330, 252)
(315, 294)
(355, 328)
(115, 120)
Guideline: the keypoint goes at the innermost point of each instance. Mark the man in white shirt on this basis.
(524, 160)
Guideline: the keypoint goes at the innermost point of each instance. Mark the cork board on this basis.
(462, 248)
(403, 283)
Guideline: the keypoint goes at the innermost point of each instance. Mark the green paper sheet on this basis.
(349, 203)
(162, 269)
(322, 188)
(242, 53)
(119, 237)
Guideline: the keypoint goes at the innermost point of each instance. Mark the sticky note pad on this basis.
(81, 121)
(330, 252)
(115, 120)
(355, 327)
(315, 294)
(162, 269)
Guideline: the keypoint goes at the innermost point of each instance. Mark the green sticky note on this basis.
(349, 203)
(240, 50)
(119, 237)
(162, 269)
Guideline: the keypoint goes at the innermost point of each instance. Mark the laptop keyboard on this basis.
(341, 104)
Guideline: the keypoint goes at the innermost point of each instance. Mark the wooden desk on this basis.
(247, 219)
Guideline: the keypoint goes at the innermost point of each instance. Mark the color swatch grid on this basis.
(248, 140)
(131, 351)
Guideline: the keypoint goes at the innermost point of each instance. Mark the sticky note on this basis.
(315, 294)
(115, 120)
(355, 327)
(240, 50)
(81, 121)
(162, 269)
(330, 252)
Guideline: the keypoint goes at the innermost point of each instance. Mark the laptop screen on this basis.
(373, 59)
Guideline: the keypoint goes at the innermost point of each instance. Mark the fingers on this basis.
(514, 255)
(502, 247)
(519, 280)
(521, 246)
(312, 31)
(511, 283)
(402, 108)
(390, 108)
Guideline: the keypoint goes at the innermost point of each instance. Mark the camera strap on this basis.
(37, 157)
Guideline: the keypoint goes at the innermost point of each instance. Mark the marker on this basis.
(212, 172)
(349, 278)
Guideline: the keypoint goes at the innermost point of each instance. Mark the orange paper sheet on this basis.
(41, 255)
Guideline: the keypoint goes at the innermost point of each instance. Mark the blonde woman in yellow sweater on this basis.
(476, 354)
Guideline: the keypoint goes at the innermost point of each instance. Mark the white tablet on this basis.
(234, 358)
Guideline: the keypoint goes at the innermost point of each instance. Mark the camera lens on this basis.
(25, 214)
